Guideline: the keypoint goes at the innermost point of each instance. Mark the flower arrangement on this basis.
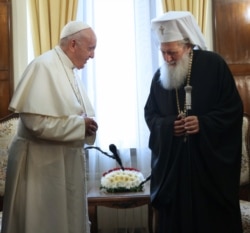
(118, 180)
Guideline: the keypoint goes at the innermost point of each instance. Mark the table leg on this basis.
(150, 218)
(93, 218)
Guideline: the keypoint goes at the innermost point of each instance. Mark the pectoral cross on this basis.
(181, 114)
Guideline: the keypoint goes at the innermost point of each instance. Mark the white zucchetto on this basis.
(178, 25)
(73, 27)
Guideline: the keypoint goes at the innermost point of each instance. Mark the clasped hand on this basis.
(186, 125)
(90, 126)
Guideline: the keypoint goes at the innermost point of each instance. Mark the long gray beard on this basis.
(172, 77)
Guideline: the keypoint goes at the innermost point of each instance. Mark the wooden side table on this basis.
(119, 201)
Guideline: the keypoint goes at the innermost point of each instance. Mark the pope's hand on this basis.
(90, 126)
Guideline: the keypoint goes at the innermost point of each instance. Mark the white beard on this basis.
(172, 77)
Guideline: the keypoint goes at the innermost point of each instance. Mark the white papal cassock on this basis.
(46, 182)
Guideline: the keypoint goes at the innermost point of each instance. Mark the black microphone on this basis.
(97, 148)
(146, 180)
(113, 149)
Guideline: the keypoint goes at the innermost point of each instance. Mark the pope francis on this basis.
(46, 181)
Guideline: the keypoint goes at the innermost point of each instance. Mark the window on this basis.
(118, 78)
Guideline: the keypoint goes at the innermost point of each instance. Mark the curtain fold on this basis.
(198, 8)
(47, 19)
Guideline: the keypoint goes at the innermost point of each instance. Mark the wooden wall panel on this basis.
(232, 27)
(4, 39)
(231, 24)
(6, 57)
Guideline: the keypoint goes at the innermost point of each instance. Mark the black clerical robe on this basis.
(195, 184)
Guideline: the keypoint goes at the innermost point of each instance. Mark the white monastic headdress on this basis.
(73, 27)
(178, 25)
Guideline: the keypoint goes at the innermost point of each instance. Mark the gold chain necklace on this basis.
(184, 112)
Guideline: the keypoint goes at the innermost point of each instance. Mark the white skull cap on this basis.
(73, 27)
(178, 25)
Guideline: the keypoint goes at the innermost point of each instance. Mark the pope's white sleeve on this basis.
(71, 128)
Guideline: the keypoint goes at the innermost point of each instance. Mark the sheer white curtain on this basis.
(118, 79)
